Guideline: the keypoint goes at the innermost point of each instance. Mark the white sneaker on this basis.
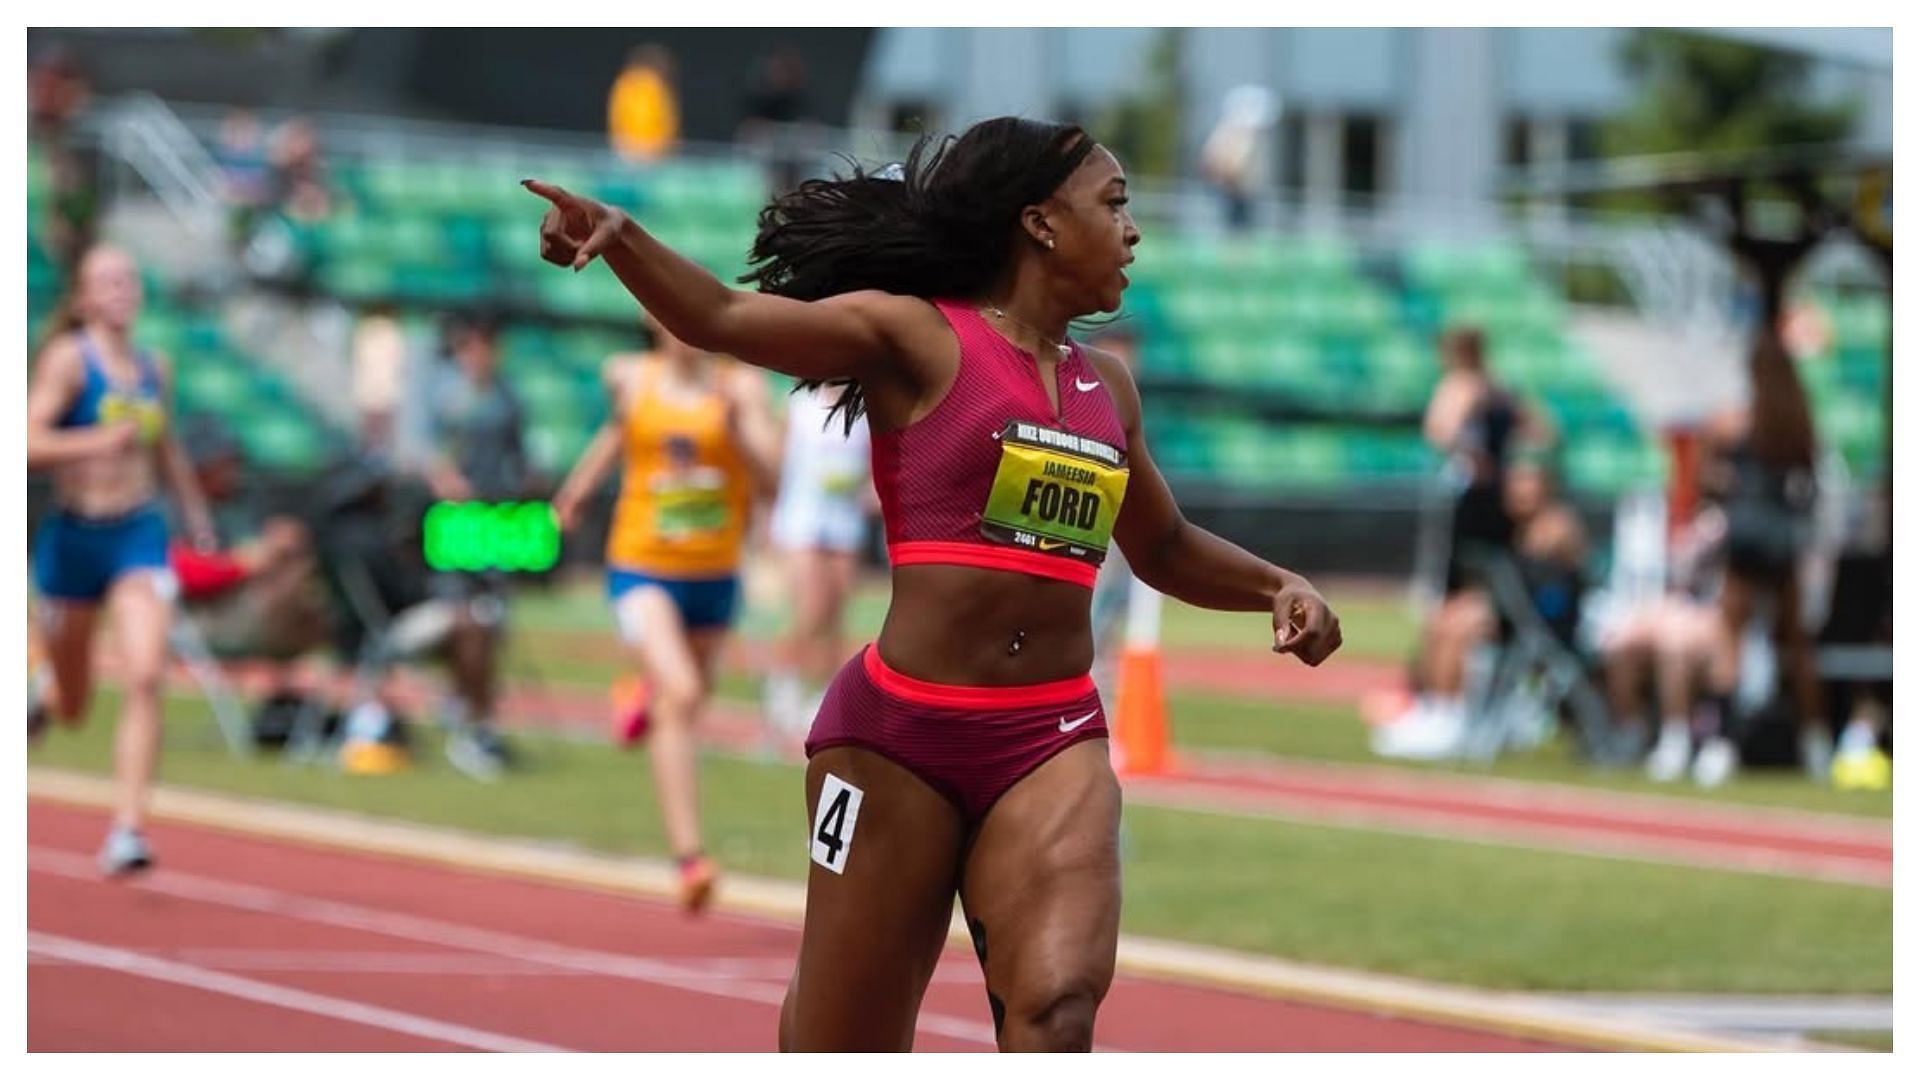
(1426, 733)
(1668, 761)
(802, 721)
(1716, 763)
(781, 699)
(125, 852)
(476, 752)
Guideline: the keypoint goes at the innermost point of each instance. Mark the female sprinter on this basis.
(695, 437)
(97, 418)
(965, 750)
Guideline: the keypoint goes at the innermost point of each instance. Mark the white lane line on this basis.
(459, 936)
(443, 963)
(357, 962)
(150, 967)
(1545, 839)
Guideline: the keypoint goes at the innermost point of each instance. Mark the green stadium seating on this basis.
(1254, 320)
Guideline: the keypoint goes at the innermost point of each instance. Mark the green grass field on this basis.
(565, 636)
(1475, 914)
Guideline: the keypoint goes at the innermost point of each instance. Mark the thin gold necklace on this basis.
(1059, 346)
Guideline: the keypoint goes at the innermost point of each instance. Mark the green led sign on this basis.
(517, 537)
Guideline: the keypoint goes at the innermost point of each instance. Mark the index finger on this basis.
(558, 196)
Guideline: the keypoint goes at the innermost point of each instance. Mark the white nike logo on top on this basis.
(1078, 385)
(1069, 725)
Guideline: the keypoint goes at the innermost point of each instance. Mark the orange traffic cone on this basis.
(1140, 728)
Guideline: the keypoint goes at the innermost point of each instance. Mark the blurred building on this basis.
(1417, 116)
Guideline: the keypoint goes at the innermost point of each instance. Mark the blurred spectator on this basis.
(643, 113)
(1237, 157)
(1674, 639)
(57, 89)
(777, 118)
(1549, 551)
(476, 419)
(1471, 420)
(297, 184)
(379, 357)
(258, 596)
(477, 427)
(74, 208)
(242, 155)
(781, 95)
(1861, 614)
(1760, 469)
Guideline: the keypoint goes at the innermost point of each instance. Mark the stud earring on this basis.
(1049, 243)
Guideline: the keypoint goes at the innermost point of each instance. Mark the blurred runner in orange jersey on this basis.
(694, 438)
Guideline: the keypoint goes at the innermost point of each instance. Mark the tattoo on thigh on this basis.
(978, 931)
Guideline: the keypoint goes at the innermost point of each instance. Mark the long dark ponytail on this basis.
(941, 224)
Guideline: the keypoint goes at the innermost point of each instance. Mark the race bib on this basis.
(842, 482)
(1055, 492)
(147, 415)
(690, 504)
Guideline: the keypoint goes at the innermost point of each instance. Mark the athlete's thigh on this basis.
(142, 615)
(886, 851)
(66, 626)
(1041, 886)
(657, 635)
(707, 643)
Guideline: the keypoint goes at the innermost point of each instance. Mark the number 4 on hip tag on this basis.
(833, 821)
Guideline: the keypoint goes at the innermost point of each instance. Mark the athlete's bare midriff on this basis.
(965, 626)
(107, 486)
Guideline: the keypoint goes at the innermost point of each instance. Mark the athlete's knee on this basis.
(679, 694)
(143, 677)
(70, 702)
(1055, 1015)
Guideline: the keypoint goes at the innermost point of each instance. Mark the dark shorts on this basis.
(969, 743)
(1481, 529)
(704, 603)
(79, 559)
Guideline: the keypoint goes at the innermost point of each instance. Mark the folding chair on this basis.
(189, 645)
(1518, 687)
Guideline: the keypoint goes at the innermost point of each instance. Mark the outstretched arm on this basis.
(587, 475)
(851, 336)
(178, 470)
(600, 455)
(1189, 563)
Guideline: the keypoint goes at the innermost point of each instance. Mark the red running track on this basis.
(240, 943)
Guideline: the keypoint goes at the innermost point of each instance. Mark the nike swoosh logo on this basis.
(1050, 545)
(1078, 385)
(1069, 725)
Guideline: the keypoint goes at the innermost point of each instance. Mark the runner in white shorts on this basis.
(820, 523)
